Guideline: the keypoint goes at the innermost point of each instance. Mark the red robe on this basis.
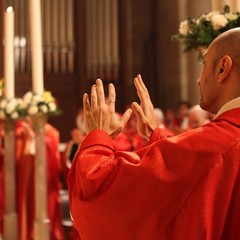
(24, 182)
(54, 169)
(184, 187)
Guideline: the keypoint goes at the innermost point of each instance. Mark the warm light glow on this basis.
(10, 9)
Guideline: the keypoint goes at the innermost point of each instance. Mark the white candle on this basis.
(36, 46)
(9, 53)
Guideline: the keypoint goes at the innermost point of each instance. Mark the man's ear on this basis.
(223, 68)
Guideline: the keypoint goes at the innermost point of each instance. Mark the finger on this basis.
(93, 97)
(139, 88)
(86, 103)
(125, 117)
(139, 77)
(142, 92)
(111, 97)
(138, 111)
(100, 92)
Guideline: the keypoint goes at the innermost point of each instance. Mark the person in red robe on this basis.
(181, 187)
(54, 169)
(197, 117)
(24, 179)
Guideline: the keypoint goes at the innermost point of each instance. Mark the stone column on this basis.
(41, 224)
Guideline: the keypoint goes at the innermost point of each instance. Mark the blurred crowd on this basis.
(59, 158)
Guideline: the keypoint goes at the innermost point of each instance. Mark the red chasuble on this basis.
(184, 187)
(53, 164)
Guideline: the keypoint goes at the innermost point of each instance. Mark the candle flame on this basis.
(10, 9)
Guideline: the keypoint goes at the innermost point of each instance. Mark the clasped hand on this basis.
(99, 111)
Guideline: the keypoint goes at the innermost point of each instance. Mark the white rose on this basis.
(23, 104)
(231, 16)
(210, 15)
(28, 97)
(44, 108)
(37, 98)
(184, 27)
(13, 101)
(198, 21)
(219, 21)
(33, 109)
(52, 107)
(19, 101)
(14, 115)
(10, 107)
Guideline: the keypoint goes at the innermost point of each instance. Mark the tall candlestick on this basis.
(9, 53)
(36, 46)
(234, 5)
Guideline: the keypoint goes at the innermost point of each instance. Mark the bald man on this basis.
(197, 117)
(182, 187)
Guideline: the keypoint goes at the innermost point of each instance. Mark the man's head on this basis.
(219, 80)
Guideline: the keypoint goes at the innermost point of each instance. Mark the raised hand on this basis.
(99, 112)
(146, 119)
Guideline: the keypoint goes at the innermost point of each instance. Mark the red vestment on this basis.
(54, 168)
(184, 187)
(122, 142)
(24, 181)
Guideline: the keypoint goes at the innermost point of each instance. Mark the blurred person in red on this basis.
(25, 179)
(197, 117)
(161, 123)
(180, 122)
(136, 141)
(169, 118)
(77, 135)
(122, 141)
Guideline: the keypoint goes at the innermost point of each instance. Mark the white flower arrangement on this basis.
(199, 33)
(44, 103)
(13, 108)
(29, 105)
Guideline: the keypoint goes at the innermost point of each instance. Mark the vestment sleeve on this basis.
(157, 135)
(90, 174)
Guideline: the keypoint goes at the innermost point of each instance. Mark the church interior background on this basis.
(109, 39)
(114, 40)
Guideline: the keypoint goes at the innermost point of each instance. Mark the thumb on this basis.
(138, 111)
(125, 117)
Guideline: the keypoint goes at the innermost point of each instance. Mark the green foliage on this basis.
(196, 33)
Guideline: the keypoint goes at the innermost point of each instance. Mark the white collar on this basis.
(235, 103)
